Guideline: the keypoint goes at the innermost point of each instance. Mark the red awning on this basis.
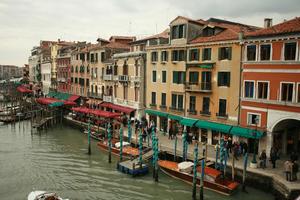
(69, 103)
(123, 109)
(99, 113)
(46, 100)
(73, 98)
(23, 89)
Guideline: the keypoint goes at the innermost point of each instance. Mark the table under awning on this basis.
(115, 107)
(98, 113)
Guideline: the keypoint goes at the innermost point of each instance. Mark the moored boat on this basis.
(213, 179)
(42, 195)
(128, 151)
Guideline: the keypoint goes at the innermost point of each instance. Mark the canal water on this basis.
(57, 160)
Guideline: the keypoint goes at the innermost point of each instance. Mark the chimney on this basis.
(58, 40)
(268, 22)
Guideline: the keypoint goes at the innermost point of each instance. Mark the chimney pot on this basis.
(268, 22)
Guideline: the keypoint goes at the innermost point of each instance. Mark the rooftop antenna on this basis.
(129, 27)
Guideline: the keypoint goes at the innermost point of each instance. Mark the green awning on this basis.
(56, 104)
(175, 117)
(246, 132)
(155, 112)
(188, 122)
(206, 66)
(51, 94)
(202, 65)
(213, 126)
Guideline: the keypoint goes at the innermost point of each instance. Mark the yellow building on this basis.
(193, 81)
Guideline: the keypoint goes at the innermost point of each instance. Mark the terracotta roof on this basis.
(230, 31)
(117, 45)
(199, 21)
(122, 37)
(164, 34)
(290, 26)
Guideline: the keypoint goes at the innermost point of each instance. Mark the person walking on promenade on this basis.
(288, 169)
(273, 156)
(229, 145)
(295, 169)
(294, 156)
(263, 159)
(170, 133)
(235, 150)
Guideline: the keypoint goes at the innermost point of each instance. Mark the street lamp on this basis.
(255, 135)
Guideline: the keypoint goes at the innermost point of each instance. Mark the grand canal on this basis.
(56, 160)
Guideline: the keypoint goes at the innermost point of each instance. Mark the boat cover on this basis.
(185, 166)
(118, 144)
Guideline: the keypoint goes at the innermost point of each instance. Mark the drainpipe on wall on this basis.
(241, 36)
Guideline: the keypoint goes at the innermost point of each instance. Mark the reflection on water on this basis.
(56, 160)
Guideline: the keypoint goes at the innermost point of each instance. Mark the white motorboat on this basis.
(42, 195)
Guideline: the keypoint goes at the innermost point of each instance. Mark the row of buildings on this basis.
(212, 77)
(10, 71)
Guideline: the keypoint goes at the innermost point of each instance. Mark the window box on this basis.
(222, 115)
(163, 106)
(192, 112)
(205, 113)
(152, 105)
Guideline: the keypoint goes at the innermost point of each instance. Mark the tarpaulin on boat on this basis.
(123, 109)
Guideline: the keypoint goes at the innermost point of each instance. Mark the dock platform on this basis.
(133, 167)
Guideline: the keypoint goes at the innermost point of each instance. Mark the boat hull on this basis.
(188, 178)
(115, 151)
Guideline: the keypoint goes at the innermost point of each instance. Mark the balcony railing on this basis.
(222, 115)
(95, 95)
(205, 113)
(107, 77)
(202, 87)
(123, 78)
(125, 102)
(135, 78)
(108, 98)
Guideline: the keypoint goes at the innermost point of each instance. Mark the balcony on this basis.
(95, 95)
(135, 78)
(108, 98)
(61, 80)
(108, 77)
(195, 87)
(125, 102)
(176, 109)
(123, 78)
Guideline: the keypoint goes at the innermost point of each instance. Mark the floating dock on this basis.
(133, 167)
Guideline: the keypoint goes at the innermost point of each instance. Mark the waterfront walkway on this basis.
(276, 174)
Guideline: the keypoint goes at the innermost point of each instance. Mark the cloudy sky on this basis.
(23, 23)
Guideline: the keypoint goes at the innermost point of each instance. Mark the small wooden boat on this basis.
(95, 135)
(42, 195)
(128, 151)
(213, 179)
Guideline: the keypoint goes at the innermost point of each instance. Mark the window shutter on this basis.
(175, 77)
(203, 56)
(219, 53)
(190, 54)
(228, 81)
(183, 78)
(209, 54)
(229, 53)
(219, 78)
(167, 54)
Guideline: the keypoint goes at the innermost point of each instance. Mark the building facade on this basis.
(271, 85)
(10, 71)
(63, 69)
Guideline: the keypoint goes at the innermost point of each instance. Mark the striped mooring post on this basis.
(195, 171)
(202, 179)
(156, 159)
(109, 142)
(121, 143)
(129, 131)
(140, 147)
(184, 145)
(89, 137)
(175, 148)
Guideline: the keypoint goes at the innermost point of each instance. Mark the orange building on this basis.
(270, 97)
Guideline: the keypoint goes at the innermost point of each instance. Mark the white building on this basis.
(46, 75)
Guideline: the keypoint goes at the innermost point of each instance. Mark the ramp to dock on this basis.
(41, 123)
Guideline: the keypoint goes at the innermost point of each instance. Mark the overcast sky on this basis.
(23, 23)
